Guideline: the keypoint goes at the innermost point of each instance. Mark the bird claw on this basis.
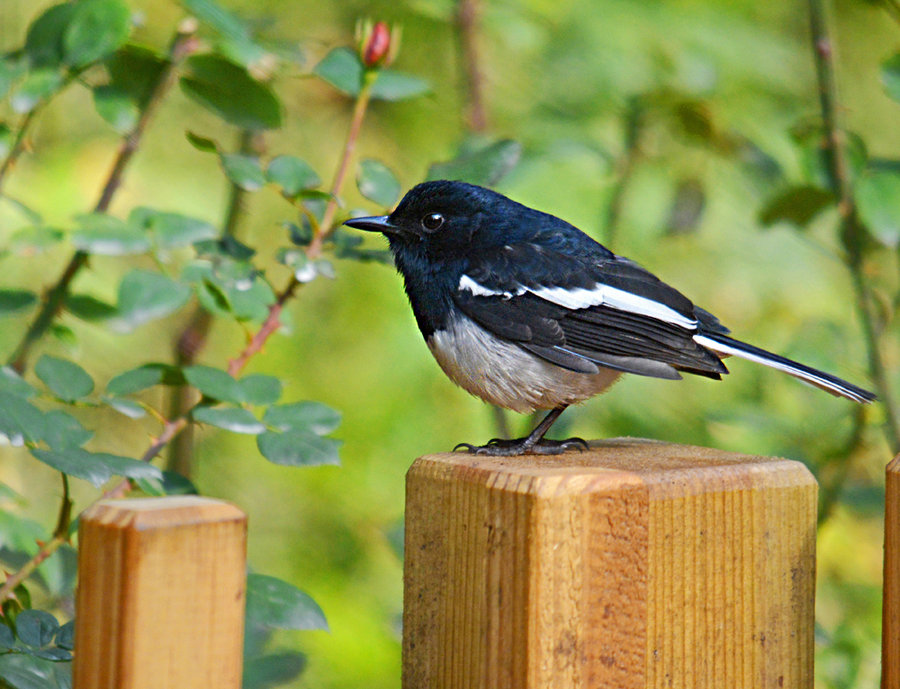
(499, 447)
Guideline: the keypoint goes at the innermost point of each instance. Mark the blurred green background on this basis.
(718, 85)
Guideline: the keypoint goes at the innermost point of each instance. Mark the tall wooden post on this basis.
(890, 630)
(161, 593)
(631, 566)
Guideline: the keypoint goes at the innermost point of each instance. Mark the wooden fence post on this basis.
(634, 565)
(890, 630)
(161, 592)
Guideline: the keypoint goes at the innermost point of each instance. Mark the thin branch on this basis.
(8, 589)
(340, 176)
(852, 232)
(625, 165)
(325, 229)
(60, 536)
(192, 339)
(18, 146)
(467, 17)
(54, 299)
(830, 489)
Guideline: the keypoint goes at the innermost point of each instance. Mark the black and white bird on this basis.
(527, 312)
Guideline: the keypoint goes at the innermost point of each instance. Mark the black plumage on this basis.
(524, 310)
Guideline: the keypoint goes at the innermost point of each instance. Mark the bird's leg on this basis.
(534, 443)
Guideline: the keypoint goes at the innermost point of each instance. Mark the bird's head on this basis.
(444, 220)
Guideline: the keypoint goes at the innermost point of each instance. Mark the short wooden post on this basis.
(161, 589)
(634, 565)
(890, 630)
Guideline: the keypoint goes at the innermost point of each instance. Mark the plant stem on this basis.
(60, 536)
(7, 591)
(359, 112)
(19, 144)
(626, 164)
(192, 339)
(55, 296)
(852, 233)
(326, 227)
(467, 20)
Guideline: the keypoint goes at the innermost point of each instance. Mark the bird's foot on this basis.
(499, 447)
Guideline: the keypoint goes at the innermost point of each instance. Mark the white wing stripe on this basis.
(581, 298)
(615, 298)
(467, 284)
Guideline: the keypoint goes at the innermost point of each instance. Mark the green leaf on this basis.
(15, 300)
(485, 166)
(116, 107)
(230, 92)
(392, 85)
(66, 379)
(202, 143)
(96, 29)
(244, 171)
(14, 384)
(292, 174)
(65, 637)
(89, 308)
(172, 230)
(298, 448)
(272, 670)
(34, 240)
(144, 377)
(146, 296)
(7, 640)
(105, 235)
(236, 39)
(314, 417)
(172, 483)
(62, 430)
(890, 76)
(36, 627)
(252, 304)
(797, 205)
(135, 71)
(259, 389)
(878, 200)
(377, 183)
(96, 467)
(20, 421)
(43, 43)
(342, 69)
(276, 604)
(214, 383)
(22, 671)
(126, 407)
(37, 86)
(233, 419)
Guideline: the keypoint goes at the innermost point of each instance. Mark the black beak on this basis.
(373, 223)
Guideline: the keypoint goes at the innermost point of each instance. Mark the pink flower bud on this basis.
(375, 48)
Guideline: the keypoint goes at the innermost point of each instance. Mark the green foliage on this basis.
(484, 165)
(377, 183)
(228, 90)
(661, 129)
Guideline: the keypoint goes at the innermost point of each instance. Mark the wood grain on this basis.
(890, 632)
(634, 565)
(161, 596)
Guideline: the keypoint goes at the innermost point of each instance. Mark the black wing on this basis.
(517, 308)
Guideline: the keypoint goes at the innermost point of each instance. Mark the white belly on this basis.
(506, 375)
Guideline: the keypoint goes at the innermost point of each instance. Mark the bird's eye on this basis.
(432, 221)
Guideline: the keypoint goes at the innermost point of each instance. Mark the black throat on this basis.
(429, 285)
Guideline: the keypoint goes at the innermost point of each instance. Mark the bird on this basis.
(525, 311)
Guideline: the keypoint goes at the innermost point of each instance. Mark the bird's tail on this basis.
(721, 344)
